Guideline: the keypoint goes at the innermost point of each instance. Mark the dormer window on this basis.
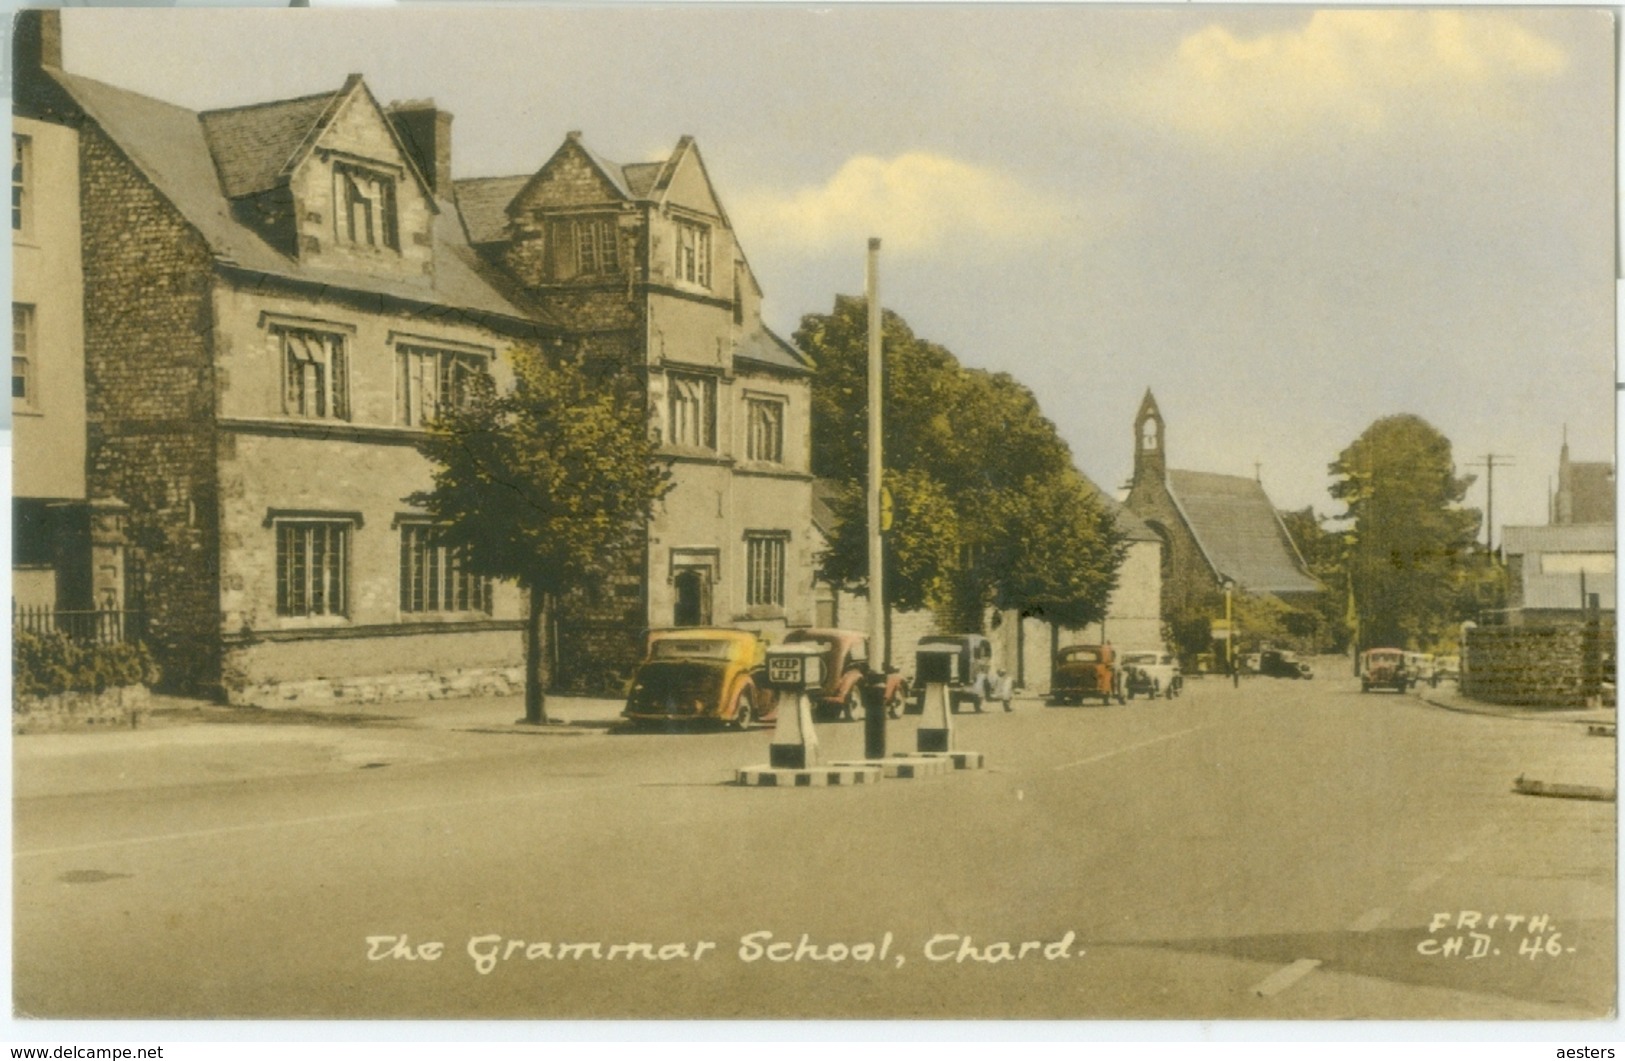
(365, 201)
(586, 246)
(694, 253)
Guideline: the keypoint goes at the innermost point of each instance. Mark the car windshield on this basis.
(692, 648)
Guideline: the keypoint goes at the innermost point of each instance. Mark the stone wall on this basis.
(121, 707)
(149, 376)
(1530, 665)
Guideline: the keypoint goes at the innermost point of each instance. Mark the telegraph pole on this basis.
(1488, 464)
(879, 651)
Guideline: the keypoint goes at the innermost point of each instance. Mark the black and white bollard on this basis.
(794, 759)
(936, 668)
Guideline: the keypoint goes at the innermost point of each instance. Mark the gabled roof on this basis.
(1239, 532)
(765, 347)
(483, 202)
(1558, 538)
(170, 145)
(255, 146)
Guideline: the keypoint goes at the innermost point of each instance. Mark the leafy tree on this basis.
(1325, 551)
(545, 482)
(969, 455)
(1411, 550)
(1062, 552)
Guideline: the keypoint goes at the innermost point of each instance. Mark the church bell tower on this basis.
(1150, 457)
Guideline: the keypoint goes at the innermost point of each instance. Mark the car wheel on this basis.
(742, 711)
(852, 706)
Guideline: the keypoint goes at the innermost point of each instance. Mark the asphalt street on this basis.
(1282, 850)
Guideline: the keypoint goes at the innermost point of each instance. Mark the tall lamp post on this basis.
(1230, 631)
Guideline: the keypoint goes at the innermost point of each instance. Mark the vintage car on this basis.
(975, 660)
(1082, 671)
(1151, 674)
(1422, 668)
(846, 669)
(1278, 663)
(1384, 668)
(701, 674)
(1447, 668)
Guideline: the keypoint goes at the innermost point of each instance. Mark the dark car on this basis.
(846, 668)
(1082, 671)
(975, 660)
(1276, 663)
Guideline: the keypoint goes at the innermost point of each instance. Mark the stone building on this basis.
(640, 265)
(1213, 528)
(1552, 571)
(277, 297)
(1585, 491)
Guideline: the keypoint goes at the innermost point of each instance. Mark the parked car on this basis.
(1278, 663)
(1384, 668)
(1152, 674)
(1422, 668)
(697, 674)
(1082, 671)
(1447, 668)
(975, 660)
(846, 668)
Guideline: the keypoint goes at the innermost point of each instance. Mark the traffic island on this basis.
(904, 767)
(813, 777)
(1526, 787)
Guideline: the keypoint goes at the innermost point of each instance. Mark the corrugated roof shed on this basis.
(1240, 532)
(1561, 591)
(1559, 538)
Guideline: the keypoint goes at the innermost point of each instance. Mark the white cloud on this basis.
(915, 202)
(1348, 71)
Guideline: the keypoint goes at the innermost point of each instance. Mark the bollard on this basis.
(792, 669)
(935, 668)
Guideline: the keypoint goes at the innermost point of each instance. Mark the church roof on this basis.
(1240, 532)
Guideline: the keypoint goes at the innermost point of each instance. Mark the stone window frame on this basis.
(22, 184)
(586, 245)
(691, 410)
(361, 184)
(313, 552)
(336, 390)
(24, 357)
(411, 410)
(691, 251)
(766, 560)
(432, 572)
(764, 439)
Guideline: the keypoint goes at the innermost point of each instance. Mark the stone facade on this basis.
(276, 296)
(149, 371)
(1538, 666)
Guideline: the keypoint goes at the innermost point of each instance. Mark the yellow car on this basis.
(696, 674)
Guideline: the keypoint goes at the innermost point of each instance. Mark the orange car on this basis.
(1086, 670)
(697, 674)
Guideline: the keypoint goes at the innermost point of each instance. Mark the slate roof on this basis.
(1559, 538)
(765, 347)
(171, 146)
(1240, 532)
(484, 205)
(254, 146)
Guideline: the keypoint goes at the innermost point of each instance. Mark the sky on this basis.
(1285, 222)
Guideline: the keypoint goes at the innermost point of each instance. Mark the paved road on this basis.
(1285, 850)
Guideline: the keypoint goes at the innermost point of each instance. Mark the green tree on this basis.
(969, 454)
(1411, 549)
(545, 482)
(1326, 553)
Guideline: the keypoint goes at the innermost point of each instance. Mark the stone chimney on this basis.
(36, 46)
(426, 132)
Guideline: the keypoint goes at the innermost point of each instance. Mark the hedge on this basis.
(45, 664)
